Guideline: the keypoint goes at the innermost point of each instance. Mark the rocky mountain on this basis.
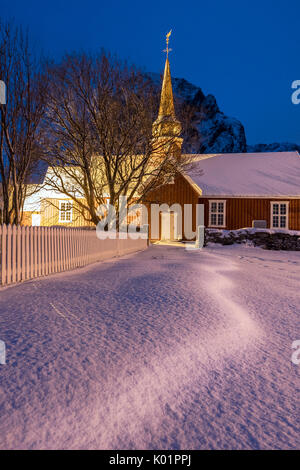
(211, 131)
(206, 129)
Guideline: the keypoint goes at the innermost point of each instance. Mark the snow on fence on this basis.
(29, 252)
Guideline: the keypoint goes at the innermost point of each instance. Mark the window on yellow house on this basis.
(65, 211)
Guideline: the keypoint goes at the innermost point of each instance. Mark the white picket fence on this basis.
(29, 252)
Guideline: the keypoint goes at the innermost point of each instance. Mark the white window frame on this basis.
(286, 215)
(64, 221)
(211, 201)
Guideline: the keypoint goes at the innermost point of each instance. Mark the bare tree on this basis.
(98, 134)
(19, 118)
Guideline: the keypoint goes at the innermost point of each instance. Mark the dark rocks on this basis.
(269, 239)
(210, 131)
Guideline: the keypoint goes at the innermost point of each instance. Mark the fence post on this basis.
(14, 253)
(3, 254)
(42, 250)
(45, 236)
(23, 254)
(57, 234)
(54, 249)
(63, 247)
(18, 253)
(48, 252)
(9, 253)
(72, 247)
(35, 251)
(31, 252)
(79, 247)
(68, 248)
(27, 270)
(51, 249)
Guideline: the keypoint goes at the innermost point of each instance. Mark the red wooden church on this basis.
(237, 190)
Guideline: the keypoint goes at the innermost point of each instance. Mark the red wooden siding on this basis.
(241, 212)
(180, 192)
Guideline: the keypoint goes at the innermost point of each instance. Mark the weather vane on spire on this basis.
(167, 50)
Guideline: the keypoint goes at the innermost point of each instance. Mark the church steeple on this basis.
(166, 126)
(166, 107)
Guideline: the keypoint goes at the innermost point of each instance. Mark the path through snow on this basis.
(168, 349)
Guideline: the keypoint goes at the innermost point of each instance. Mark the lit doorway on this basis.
(169, 226)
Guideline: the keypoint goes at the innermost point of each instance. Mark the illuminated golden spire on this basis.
(166, 107)
(166, 123)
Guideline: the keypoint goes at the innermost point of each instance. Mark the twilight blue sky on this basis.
(245, 52)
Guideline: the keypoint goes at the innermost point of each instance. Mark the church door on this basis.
(169, 226)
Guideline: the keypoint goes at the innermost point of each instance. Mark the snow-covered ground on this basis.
(165, 349)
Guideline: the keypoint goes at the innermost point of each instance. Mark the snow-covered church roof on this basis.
(247, 174)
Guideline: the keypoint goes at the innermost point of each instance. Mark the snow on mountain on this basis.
(216, 132)
(275, 147)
